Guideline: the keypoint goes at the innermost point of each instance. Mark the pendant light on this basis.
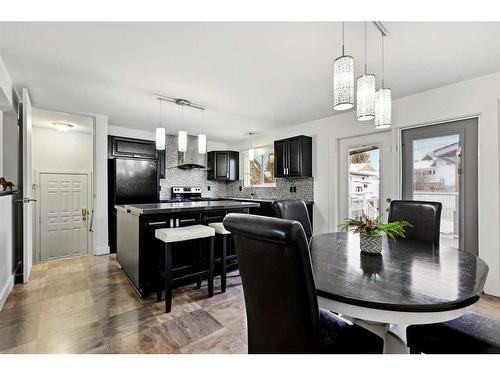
(160, 133)
(343, 80)
(365, 100)
(383, 101)
(202, 139)
(182, 135)
(251, 150)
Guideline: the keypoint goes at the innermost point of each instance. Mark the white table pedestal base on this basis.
(389, 325)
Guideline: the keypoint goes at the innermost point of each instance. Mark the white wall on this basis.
(100, 220)
(6, 276)
(55, 150)
(479, 96)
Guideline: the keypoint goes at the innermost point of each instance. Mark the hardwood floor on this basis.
(86, 305)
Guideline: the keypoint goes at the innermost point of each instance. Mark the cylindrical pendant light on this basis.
(343, 80)
(182, 141)
(160, 139)
(160, 133)
(383, 101)
(202, 138)
(202, 143)
(365, 100)
(251, 150)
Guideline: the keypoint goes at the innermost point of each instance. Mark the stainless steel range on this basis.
(187, 194)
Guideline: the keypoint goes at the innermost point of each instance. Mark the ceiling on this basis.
(250, 76)
(45, 119)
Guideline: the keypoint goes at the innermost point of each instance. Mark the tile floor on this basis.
(86, 305)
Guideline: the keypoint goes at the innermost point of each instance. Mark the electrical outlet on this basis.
(295, 189)
(291, 189)
(241, 188)
(208, 188)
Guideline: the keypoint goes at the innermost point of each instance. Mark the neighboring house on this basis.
(435, 179)
(437, 170)
(364, 188)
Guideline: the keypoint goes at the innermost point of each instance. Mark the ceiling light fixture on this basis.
(365, 100)
(62, 126)
(160, 133)
(383, 101)
(343, 80)
(182, 135)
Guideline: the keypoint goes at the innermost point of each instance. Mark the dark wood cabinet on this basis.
(223, 165)
(132, 148)
(293, 157)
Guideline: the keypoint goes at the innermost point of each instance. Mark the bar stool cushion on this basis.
(472, 333)
(178, 234)
(219, 228)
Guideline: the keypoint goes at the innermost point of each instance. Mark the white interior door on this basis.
(365, 175)
(27, 188)
(63, 215)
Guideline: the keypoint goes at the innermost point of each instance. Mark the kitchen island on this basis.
(137, 247)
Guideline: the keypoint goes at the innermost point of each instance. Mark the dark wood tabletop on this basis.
(409, 275)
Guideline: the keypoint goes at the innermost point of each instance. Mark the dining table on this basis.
(409, 282)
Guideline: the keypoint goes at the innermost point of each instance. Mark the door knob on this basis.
(388, 200)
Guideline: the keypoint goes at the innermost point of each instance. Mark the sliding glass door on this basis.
(440, 165)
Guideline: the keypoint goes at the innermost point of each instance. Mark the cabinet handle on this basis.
(188, 221)
(157, 223)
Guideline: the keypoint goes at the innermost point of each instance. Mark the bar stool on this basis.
(175, 235)
(226, 237)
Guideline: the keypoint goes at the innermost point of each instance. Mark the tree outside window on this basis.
(261, 170)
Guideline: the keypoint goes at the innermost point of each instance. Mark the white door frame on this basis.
(342, 179)
(37, 250)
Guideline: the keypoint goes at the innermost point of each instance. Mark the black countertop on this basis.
(409, 275)
(260, 200)
(159, 208)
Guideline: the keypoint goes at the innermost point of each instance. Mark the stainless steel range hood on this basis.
(192, 158)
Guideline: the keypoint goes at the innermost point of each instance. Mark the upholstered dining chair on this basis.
(425, 218)
(280, 295)
(294, 209)
(472, 333)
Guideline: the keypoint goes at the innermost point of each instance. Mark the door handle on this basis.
(26, 200)
(91, 226)
(388, 200)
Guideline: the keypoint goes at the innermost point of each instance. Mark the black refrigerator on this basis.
(129, 181)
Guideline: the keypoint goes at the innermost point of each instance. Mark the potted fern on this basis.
(371, 231)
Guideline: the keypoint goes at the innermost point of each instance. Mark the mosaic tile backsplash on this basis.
(198, 177)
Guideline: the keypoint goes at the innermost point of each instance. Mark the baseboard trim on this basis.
(102, 250)
(4, 294)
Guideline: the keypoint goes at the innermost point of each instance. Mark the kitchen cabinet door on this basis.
(280, 156)
(221, 165)
(294, 157)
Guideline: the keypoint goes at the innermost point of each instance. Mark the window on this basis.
(259, 172)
